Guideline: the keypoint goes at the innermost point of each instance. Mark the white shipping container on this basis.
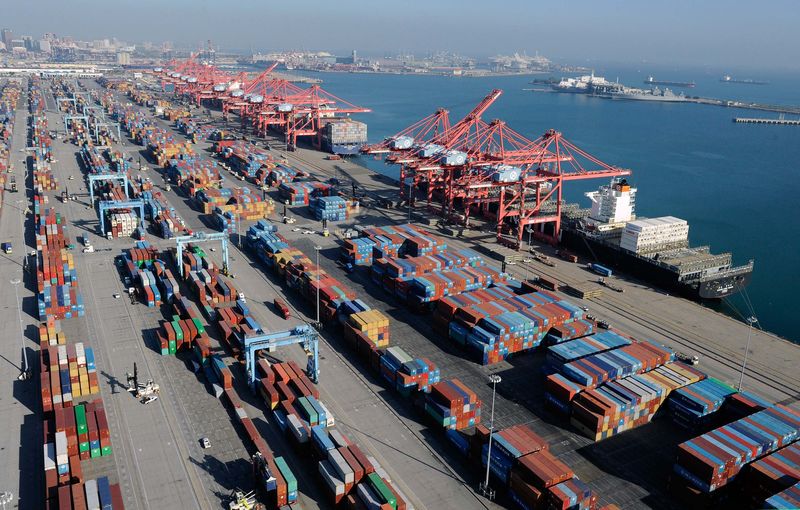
(80, 354)
(62, 355)
(61, 448)
(92, 498)
(651, 233)
(296, 427)
(337, 438)
(341, 466)
(329, 420)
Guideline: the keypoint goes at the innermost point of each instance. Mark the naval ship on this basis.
(600, 87)
(655, 250)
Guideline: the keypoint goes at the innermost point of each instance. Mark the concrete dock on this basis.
(778, 122)
(157, 458)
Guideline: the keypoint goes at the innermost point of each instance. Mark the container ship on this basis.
(652, 81)
(600, 87)
(655, 249)
(344, 136)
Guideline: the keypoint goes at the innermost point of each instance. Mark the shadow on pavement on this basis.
(30, 466)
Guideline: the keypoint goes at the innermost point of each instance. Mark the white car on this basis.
(308, 231)
(205, 443)
(296, 229)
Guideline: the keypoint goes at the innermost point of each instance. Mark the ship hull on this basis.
(647, 97)
(711, 290)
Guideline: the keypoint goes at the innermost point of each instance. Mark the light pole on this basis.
(239, 229)
(750, 320)
(484, 488)
(317, 249)
(409, 200)
(24, 375)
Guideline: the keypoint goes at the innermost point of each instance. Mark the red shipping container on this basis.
(76, 474)
(358, 471)
(367, 466)
(64, 498)
(116, 497)
(286, 394)
(542, 469)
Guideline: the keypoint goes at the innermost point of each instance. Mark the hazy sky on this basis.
(724, 33)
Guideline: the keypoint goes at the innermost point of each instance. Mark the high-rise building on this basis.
(6, 34)
(28, 42)
(123, 58)
(44, 46)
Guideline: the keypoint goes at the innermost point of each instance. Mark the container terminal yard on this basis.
(577, 380)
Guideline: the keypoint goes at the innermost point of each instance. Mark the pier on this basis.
(783, 122)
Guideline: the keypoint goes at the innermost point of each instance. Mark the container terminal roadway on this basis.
(156, 455)
(157, 458)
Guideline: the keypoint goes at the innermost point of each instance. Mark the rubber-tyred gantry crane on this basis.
(490, 169)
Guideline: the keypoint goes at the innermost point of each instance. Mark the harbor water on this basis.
(736, 184)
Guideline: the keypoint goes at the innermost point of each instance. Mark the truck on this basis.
(281, 308)
(6, 247)
(569, 257)
(601, 270)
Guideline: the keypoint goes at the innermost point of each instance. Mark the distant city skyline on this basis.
(724, 34)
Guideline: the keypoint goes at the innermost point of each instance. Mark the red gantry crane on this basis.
(307, 111)
(264, 102)
(490, 169)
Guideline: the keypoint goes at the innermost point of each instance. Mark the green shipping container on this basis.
(105, 451)
(173, 347)
(80, 419)
(199, 326)
(308, 409)
(382, 490)
(83, 447)
(165, 352)
(95, 452)
(178, 331)
(283, 467)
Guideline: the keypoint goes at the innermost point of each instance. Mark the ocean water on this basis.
(738, 186)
